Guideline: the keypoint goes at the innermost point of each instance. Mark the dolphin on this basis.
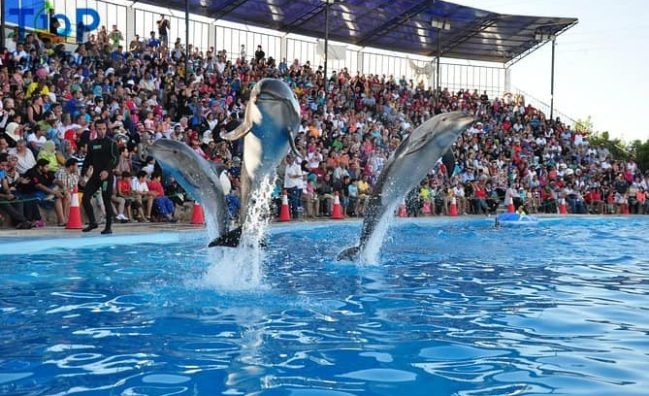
(268, 129)
(200, 179)
(406, 167)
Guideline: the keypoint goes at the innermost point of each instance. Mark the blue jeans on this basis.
(294, 195)
(164, 206)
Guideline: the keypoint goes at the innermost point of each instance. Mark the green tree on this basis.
(640, 152)
(616, 146)
(584, 125)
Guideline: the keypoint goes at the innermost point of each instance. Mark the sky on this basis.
(601, 64)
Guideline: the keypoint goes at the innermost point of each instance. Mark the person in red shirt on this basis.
(594, 200)
(641, 197)
(163, 205)
(480, 198)
(124, 191)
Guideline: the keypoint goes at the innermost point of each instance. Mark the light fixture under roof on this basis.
(440, 24)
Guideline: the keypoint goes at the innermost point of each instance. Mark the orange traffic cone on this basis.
(403, 211)
(337, 212)
(563, 207)
(284, 213)
(74, 218)
(197, 214)
(510, 205)
(453, 209)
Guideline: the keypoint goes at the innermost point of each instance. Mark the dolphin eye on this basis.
(175, 151)
(443, 119)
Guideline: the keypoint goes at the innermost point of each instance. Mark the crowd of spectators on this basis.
(51, 100)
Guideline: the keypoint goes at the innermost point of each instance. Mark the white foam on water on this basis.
(241, 268)
(370, 255)
(211, 227)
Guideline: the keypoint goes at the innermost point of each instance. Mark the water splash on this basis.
(212, 227)
(241, 268)
(370, 255)
(259, 214)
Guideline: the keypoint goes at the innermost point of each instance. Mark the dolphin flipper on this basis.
(232, 239)
(291, 140)
(350, 253)
(238, 132)
(449, 161)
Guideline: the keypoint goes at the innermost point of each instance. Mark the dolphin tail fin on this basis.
(232, 239)
(229, 239)
(351, 253)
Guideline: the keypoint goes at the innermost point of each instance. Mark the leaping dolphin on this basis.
(406, 167)
(270, 123)
(200, 179)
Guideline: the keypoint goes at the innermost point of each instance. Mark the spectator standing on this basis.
(163, 30)
(116, 37)
(259, 54)
(293, 183)
(242, 55)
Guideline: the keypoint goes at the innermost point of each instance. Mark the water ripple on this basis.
(456, 307)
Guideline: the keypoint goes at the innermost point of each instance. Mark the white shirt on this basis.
(314, 159)
(25, 162)
(40, 141)
(290, 179)
(18, 55)
(340, 173)
(147, 84)
(579, 140)
(148, 169)
(139, 187)
(220, 67)
(225, 182)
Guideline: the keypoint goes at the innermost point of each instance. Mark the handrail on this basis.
(541, 105)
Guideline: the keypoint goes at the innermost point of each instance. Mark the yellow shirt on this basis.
(51, 157)
(424, 193)
(32, 87)
(363, 187)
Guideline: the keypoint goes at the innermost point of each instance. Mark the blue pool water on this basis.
(454, 308)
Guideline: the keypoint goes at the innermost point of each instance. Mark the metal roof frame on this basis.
(398, 25)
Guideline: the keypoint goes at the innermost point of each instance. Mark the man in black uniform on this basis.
(103, 156)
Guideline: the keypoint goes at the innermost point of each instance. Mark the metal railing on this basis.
(544, 107)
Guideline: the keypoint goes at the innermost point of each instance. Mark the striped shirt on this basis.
(69, 180)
